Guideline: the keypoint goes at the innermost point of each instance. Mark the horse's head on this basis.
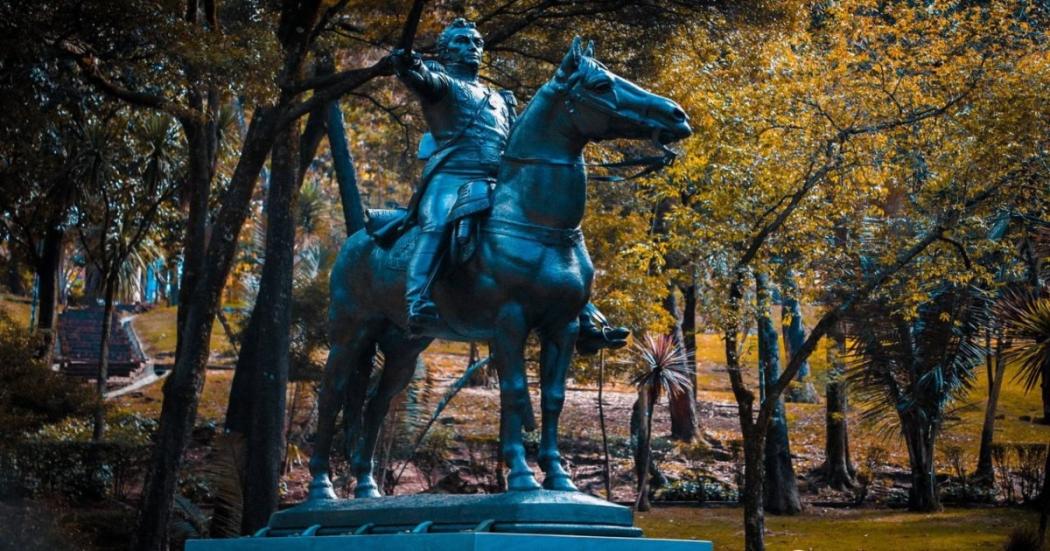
(605, 106)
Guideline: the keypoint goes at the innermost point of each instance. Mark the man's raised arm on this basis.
(409, 67)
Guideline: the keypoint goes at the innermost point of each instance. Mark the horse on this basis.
(530, 271)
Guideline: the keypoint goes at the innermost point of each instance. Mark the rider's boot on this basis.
(422, 312)
(596, 333)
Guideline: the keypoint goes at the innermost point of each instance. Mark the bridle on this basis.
(651, 163)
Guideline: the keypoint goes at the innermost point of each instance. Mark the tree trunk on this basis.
(1045, 388)
(266, 437)
(643, 455)
(607, 471)
(15, 284)
(792, 324)
(781, 488)
(47, 272)
(182, 387)
(754, 513)
(985, 470)
(349, 195)
(689, 331)
(838, 470)
(921, 437)
(109, 289)
(195, 242)
(682, 404)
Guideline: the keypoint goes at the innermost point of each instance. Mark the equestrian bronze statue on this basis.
(469, 124)
(514, 263)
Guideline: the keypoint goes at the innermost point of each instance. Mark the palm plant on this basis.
(1025, 316)
(907, 369)
(664, 369)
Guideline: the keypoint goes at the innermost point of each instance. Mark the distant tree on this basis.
(780, 486)
(907, 369)
(780, 164)
(663, 368)
(121, 195)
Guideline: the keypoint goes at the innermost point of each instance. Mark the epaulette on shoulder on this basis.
(434, 66)
(508, 97)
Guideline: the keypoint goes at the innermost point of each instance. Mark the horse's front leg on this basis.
(555, 356)
(508, 352)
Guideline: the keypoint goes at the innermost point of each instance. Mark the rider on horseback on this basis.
(469, 129)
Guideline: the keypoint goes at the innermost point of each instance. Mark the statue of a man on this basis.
(469, 125)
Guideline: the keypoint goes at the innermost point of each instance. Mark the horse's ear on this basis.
(589, 50)
(571, 61)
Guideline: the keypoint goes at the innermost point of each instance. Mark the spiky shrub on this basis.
(1025, 315)
(663, 369)
(906, 369)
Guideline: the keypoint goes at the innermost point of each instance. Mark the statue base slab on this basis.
(534, 512)
(462, 541)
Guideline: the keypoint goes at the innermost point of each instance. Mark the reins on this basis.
(652, 163)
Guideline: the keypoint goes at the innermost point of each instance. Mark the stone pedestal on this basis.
(542, 520)
(538, 512)
(462, 541)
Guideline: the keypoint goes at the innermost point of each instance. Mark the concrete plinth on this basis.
(460, 541)
(537, 512)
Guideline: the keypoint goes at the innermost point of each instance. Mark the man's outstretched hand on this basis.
(405, 60)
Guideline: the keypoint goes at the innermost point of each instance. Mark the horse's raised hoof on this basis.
(522, 482)
(320, 489)
(559, 483)
(366, 487)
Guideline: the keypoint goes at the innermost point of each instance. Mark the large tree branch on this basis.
(89, 67)
(345, 82)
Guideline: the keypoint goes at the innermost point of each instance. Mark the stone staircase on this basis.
(79, 338)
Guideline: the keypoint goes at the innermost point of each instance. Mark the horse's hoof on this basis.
(559, 483)
(320, 490)
(522, 482)
(366, 489)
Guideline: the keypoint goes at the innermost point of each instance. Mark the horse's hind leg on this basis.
(555, 357)
(399, 364)
(350, 348)
(508, 351)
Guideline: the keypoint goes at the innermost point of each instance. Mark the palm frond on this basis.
(914, 367)
(223, 473)
(1026, 319)
(664, 366)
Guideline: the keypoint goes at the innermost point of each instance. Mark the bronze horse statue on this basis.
(530, 272)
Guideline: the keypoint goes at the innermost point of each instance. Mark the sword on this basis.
(408, 34)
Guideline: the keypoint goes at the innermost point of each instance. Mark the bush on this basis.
(31, 395)
(1023, 539)
(699, 488)
(60, 458)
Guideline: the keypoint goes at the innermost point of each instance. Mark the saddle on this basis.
(473, 203)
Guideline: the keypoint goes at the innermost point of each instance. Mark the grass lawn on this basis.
(844, 530)
(156, 329)
(18, 308)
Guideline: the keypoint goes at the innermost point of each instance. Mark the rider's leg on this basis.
(422, 269)
(596, 333)
(422, 312)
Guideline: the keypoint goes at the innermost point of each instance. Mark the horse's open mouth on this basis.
(668, 136)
